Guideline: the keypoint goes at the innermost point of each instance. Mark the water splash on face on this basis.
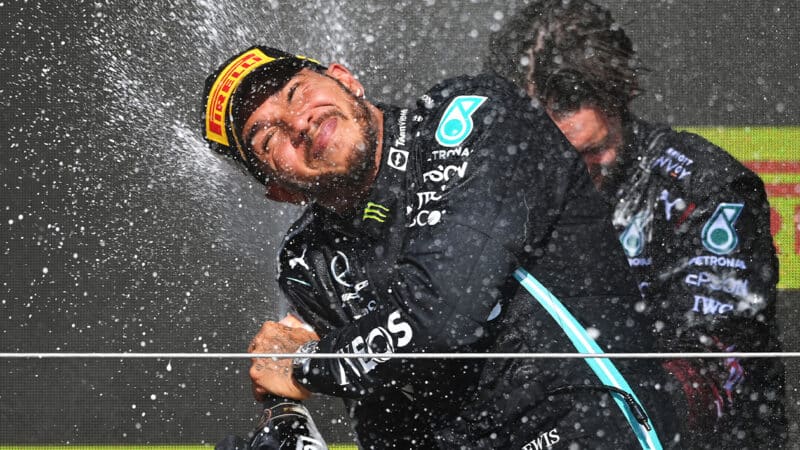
(154, 76)
(122, 230)
(153, 65)
(123, 203)
(121, 199)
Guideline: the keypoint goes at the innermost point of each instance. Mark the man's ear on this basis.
(344, 76)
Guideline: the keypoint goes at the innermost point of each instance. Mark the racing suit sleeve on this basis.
(725, 278)
(724, 284)
(460, 246)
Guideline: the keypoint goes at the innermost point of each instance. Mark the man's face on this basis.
(597, 137)
(313, 135)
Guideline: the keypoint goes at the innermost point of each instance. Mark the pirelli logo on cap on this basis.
(220, 95)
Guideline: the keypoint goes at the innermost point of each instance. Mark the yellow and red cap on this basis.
(238, 87)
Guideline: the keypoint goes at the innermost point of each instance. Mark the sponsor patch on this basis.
(461, 152)
(708, 305)
(443, 174)
(718, 234)
(633, 238)
(639, 262)
(674, 163)
(718, 261)
(299, 260)
(543, 441)
(423, 198)
(427, 101)
(375, 212)
(356, 300)
(714, 282)
(426, 218)
(378, 342)
(398, 159)
(340, 269)
(456, 124)
(678, 204)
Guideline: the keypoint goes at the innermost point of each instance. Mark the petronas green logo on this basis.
(375, 211)
(718, 235)
(632, 238)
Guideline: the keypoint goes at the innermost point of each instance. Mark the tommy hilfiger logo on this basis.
(398, 159)
(375, 211)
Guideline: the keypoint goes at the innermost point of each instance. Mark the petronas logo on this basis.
(632, 238)
(718, 235)
(375, 211)
(456, 124)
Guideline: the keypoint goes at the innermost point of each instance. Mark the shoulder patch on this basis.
(673, 163)
(718, 234)
(634, 237)
(456, 123)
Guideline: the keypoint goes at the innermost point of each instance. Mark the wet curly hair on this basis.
(567, 53)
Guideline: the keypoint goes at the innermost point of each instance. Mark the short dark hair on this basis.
(569, 53)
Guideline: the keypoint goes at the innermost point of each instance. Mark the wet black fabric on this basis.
(474, 183)
(695, 225)
(231, 442)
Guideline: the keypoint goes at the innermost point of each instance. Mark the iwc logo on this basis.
(718, 234)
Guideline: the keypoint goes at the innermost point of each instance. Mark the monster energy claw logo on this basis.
(632, 238)
(718, 234)
(456, 123)
(375, 211)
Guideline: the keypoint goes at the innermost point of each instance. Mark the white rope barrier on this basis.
(701, 355)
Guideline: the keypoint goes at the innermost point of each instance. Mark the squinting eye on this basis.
(267, 139)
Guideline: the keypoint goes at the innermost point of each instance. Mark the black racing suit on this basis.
(694, 224)
(474, 183)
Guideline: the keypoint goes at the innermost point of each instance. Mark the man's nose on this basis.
(300, 123)
(298, 117)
